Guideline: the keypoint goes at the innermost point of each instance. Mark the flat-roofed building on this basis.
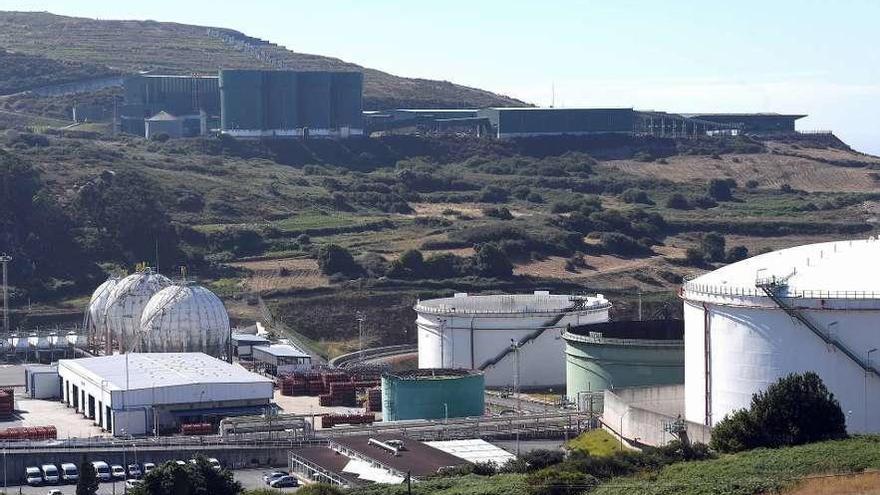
(279, 358)
(140, 394)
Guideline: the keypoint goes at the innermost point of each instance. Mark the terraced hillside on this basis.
(132, 46)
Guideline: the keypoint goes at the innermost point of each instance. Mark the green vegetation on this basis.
(794, 410)
(501, 484)
(191, 479)
(754, 472)
(596, 442)
(87, 483)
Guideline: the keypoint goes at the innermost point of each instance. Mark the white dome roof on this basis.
(828, 270)
(126, 302)
(97, 306)
(185, 318)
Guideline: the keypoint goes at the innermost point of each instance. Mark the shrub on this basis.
(786, 188)
(633, 195)
(693, 256)
(318, 489)
(794, 410)
(333, 259)
(493, 194)
(721, 189)
(737, 253)
(535, 198)
(617, 243)
(410, 264)
(678, 202)
(501, 213)
(491, 261)
(751, 184)
(521, 192)
(712, 246)
(704, 202)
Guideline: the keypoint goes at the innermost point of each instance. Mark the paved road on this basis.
(249, 478)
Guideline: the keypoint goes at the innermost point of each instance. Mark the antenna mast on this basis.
(5, 259)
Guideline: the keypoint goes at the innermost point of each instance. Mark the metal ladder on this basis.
(771, 286)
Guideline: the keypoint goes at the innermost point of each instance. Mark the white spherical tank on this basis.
(809, 308)
(479, 332)
(126, 302)
(185, 318)
(95, 323)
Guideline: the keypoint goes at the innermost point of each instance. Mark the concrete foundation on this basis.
(641, 415)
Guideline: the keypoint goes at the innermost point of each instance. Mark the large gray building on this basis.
(149, 94)
(275, 103)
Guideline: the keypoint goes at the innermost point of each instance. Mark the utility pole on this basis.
(515, 345)
(5, 259)
(360, 317)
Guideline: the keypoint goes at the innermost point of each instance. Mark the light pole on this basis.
(5, 259)
(867, 368)
(360, 317)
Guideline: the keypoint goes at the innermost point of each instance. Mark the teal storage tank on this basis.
(432, 394)
(621, 354)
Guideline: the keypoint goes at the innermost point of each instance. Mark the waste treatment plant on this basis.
(808, 308)
(621, 354)
(504, 336)
(432, 394)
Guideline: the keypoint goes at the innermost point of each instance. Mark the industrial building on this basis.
(146, 95)
(422, 121)
(276, 103)
(172, 126)
(809, 308)
(756, 123)
(504, 336)
(244, 343)
(279, 358)
(432, 394)
(619, 354)
(142, 394)
(359, 460)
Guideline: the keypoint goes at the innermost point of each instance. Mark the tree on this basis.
(192, 479)
(794, 410)
(87, 484)
(721, 189)
(410, 264)
(635, 195)
(334, 259)
(677, 201)
(712, 245)
(490, 261)
(694, 256)
(737, 253)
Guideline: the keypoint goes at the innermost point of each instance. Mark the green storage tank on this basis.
(432, 394)
(620, 354)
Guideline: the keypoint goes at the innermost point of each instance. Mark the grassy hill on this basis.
(131, 46)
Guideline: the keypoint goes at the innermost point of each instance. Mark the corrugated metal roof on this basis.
(145, 371)
(474, 450)
(281, 350)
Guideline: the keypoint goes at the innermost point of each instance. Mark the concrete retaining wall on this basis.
(639, 414)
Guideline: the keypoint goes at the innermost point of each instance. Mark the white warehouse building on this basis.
(479, 332)
(141, 394)
(809, 308)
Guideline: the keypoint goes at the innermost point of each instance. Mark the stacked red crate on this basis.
(373, 402)
(197, 429)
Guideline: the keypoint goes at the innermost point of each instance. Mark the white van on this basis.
(148, 466)
(102, 469)
(69, 473)
(33, 476)
(50, 473)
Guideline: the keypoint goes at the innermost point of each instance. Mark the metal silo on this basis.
(432, 394)
(241, 100)
(314, 101)
(808, 308)
(280, 90)
(622, 354)
(346, 101)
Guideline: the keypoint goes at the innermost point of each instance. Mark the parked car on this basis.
(103, 470)
(286, 481)
(33, 476)
(134, 471)
(193, 462)
(214, 463)
(272, 476)
(148, 466)
(133, 483)
(117, 471)
(54, 491)
(50, 473)
(69, 472)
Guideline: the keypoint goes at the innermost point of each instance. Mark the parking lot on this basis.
(249, 478)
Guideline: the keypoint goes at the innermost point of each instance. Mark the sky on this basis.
(815, 57)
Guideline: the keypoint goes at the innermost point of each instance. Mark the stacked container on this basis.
(29, 433)
(7, 403)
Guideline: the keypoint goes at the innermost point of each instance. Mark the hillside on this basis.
(570, 213)
(131, 46)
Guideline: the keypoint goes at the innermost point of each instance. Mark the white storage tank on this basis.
(94, 322)
(125, 304)
(809, 308)
(478, 332)
(185, 318)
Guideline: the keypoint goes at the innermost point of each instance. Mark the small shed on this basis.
(42, 381)
(243, 344)
(275, 358)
